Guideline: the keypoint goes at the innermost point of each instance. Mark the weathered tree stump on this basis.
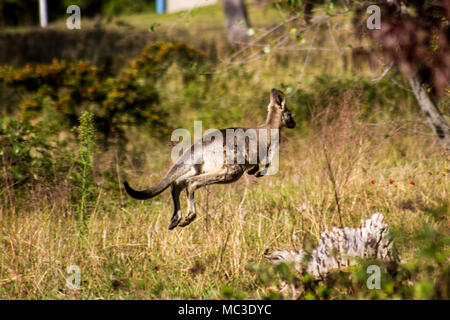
(340, 248)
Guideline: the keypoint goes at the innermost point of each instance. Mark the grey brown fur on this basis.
(210, 168)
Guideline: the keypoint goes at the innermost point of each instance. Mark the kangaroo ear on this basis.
(277, 97)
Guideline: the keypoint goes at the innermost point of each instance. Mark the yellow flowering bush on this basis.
(129, 98)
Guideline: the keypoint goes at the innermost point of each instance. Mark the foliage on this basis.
(26, 154)
(415, 35)
(83, 176)
(130, 98)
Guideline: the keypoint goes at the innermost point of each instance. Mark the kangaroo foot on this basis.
(174, 221)
(187, 220)
(253, 170)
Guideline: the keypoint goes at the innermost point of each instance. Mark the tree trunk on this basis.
(434, 116)
(237, 23)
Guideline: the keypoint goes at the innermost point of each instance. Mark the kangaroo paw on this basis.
(174, 222)
(187, 220)
(253, 170)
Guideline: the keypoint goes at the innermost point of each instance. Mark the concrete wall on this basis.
(178, 5)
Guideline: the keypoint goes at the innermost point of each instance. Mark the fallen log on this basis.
(340, 248)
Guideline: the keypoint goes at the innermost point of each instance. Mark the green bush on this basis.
(130, 98)
(27, 156)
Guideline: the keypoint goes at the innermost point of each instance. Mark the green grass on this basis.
(209, 19)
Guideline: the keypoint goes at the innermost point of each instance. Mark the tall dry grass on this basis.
(129, 253)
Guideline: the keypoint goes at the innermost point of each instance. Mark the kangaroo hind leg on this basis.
(191, 206)
(194, 183)
(177, 215)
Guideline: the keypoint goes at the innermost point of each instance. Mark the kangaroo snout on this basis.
(290, 123)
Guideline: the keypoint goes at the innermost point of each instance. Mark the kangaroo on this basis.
(209, 166)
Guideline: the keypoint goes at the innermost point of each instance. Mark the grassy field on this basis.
(370, 132)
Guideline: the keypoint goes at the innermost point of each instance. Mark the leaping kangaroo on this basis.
(210, 165)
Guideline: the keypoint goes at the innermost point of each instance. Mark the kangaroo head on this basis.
(278, 104)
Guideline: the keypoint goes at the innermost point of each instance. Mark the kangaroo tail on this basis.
(173, 174)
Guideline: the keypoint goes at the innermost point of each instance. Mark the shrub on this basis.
(130, 98)
(25, 153)
(83, 177)
(29, 161)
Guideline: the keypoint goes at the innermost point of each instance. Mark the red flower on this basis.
(390, 181)
(411, 182)
(372, 182)
(395, 186)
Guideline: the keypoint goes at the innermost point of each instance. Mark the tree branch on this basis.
(432, 113)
